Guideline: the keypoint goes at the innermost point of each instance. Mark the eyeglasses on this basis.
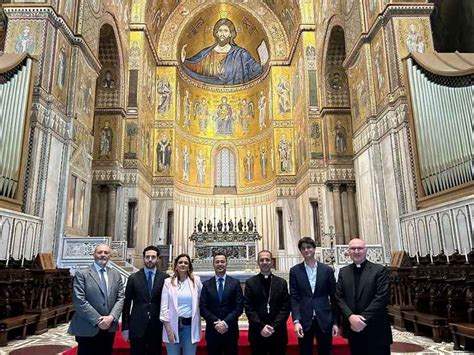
(356, 248)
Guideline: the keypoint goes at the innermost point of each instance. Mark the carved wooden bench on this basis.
(8, 324)
(438, 325)
(463, 335)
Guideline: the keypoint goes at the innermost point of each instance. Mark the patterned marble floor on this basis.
(59, 336)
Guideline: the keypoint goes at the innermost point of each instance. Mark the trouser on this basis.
(100, 344)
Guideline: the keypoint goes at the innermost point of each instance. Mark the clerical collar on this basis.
(361, 265)
(269, 275)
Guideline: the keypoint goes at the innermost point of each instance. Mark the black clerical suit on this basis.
(228, 310)
(365, 291)
(143, 322)
(267, 302)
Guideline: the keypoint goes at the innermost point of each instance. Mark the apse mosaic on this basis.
(223, 46)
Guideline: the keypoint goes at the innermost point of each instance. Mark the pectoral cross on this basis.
(268, 307)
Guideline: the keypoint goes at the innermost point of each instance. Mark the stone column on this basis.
(352, 211)
(94, 210)
(345, 214)
(111, 199)
(338, 221)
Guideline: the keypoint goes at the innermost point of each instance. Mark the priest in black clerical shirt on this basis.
(267, 307)
(362, 294)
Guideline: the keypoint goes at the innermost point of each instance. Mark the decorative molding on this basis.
(391, 119)
(392, 10)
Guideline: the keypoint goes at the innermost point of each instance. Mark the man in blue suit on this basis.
(313, 303)
(98, 300)
(221, 305)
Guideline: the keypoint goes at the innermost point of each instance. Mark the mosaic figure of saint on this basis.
(378, 66)
(284, 152)
(163, 152)
(263, 162)
(25, 42)
(86, 95)
(246, 113)
(105, 141)
(201, 167)
(61, 67)
(186, 161)
(414, 40)
(201, 113)
(340, 137)
(108, 82)
(283, 92)
(224, 62)
(262, 110)
(187, 110)
(164, 95)
(248, 166)
(224, 117)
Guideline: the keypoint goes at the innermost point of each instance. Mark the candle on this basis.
(171, 253)
(447, 258)
(431, 256)
(417, 258)
(465, 255)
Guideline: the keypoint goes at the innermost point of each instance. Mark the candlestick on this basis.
(171, 253)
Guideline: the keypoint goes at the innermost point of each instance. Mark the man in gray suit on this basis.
(98, 300)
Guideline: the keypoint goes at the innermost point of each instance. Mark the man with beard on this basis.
(142, 326)
(98, 300)
(223, 63)
(221, 306)
(267, 305)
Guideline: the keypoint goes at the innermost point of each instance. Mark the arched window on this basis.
(225, 168)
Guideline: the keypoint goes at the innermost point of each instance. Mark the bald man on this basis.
(362, 294)
(98, 297)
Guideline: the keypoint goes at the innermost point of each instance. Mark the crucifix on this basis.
(290, 220)
(158, 224)
(225, 216)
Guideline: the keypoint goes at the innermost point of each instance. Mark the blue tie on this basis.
(150, 281)
(103, 286)
(220, 288)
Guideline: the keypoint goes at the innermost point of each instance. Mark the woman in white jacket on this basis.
(180, 308)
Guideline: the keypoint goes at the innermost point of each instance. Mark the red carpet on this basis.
(339, 344)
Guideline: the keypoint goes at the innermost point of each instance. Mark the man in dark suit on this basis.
(313, 303)
(142, 326)
(267, 305)
(98, 300)
(363, 293)
(221, 305)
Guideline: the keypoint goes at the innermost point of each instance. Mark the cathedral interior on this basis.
(144, 121)
(233, 126)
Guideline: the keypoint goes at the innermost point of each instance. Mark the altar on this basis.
(235, 239)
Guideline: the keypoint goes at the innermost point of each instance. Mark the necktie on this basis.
(220, 288)
(103, 286)
(150, 281)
